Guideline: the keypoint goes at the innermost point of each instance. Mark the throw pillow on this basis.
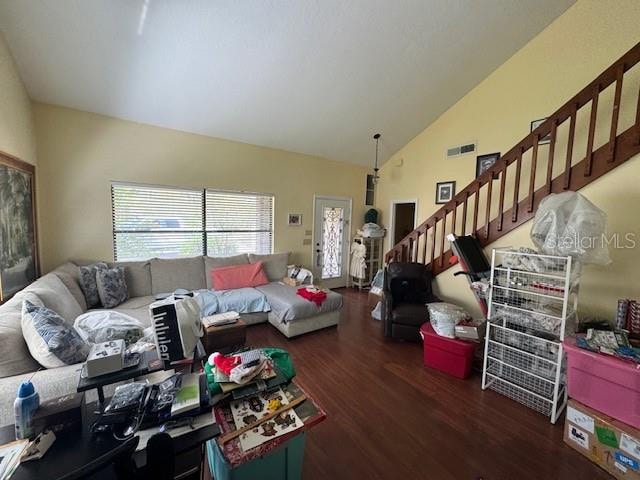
(275, 264)
(88, 283)
(112, 286)
(50, 340)
(238, 276)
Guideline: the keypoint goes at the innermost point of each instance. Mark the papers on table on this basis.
(219, 319)
(199, 421)
(10, 457)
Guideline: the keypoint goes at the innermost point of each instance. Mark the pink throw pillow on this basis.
(238, 276)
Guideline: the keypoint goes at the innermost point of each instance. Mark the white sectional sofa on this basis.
(60, 291)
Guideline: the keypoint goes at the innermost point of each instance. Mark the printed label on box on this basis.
(627, 461)
(630, 445)
(607, 437)
(620, 467)
(580, 419)
(579, 436)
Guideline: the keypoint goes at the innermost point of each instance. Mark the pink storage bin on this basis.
(604, 383)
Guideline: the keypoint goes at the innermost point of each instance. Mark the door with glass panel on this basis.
(331, 233)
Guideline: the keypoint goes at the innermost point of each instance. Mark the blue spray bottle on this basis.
(24, 408)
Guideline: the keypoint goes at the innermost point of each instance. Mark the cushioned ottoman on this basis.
(293, 315)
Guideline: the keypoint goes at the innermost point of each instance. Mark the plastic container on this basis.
(284, 462)
(604, 383)
(24, 407)
(448, 355)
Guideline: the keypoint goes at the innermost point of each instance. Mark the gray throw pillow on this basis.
(51, 341)
(112, 286)
(88, 283)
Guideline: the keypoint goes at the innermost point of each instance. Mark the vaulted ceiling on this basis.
(310, 76)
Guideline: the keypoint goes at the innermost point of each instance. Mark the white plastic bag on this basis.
(376, 313)
(99, 326)
(445, 316)
(569, 224)
(177, 326)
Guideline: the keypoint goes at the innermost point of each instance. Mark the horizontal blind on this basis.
(152, 221)
(238, 222)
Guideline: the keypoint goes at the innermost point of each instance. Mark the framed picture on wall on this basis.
(485, 162)
(445, 191)
(295, 219)
(19, 265)
(535, 124)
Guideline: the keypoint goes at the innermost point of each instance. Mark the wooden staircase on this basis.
(532, 170)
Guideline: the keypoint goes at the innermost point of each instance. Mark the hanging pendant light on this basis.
(376, 177)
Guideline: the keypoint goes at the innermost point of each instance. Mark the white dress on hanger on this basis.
(358, 265)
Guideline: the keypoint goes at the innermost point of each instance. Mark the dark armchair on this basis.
(407, 290)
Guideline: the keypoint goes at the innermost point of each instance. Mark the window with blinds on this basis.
(166, 222)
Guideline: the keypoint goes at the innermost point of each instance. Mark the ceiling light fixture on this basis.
(376, 177)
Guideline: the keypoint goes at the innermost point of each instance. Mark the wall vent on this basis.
(461, 150)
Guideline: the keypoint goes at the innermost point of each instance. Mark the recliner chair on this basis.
(406, 292)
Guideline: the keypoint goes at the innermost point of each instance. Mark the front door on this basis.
(331, 232)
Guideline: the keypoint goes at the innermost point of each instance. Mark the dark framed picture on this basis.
(445, 191)
(19, 265)
(485, 162)
(295, 219)
(535, 124)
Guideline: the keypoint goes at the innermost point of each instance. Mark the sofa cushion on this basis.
(169, 274)
(15, 358)
(51, 341)
(54, 295)
(69, 273)
(138, 277)
(137, 308)
(112, 287)
(89, 284)
(275, 264)
(238, 276)
(217, 262)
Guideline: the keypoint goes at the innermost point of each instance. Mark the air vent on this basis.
(461, 150)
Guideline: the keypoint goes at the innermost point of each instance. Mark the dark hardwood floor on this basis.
(389, 417)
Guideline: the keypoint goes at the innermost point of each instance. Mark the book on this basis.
(188, 396)
(10, 454)
(219, 319)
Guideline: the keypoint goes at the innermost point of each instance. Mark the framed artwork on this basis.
(485, 162)
(295, 219)
(445, 191)
(535, 124)
(19, 263)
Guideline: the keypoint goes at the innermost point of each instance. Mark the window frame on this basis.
(203, 231)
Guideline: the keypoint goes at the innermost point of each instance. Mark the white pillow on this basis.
(51, 342)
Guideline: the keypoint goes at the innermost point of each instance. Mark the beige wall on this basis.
(538, 79)
(16, 127)
(80, 153)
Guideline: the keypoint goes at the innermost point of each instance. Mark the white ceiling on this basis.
(311, 76)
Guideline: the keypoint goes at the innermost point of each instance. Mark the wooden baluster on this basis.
(424, 246)
(403, 255)
(516, 188)
(592, 131)
(475, 212)
(615, 114)
(444, 234)
(552, 146)
(503, 179)
(638, 117)
(464, 213)
(488, 210)
(567, 163)
(453, 217)
(433, 241)
(532, 178)
(410, 250)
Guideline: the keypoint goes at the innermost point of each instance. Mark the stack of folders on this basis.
(219, 319)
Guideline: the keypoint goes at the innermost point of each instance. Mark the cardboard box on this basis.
(609, 443)
(473, 330)
(292, 281)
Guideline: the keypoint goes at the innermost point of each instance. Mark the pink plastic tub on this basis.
(604, 383)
